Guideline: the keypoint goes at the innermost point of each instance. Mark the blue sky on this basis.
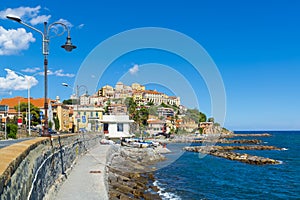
(254, 44)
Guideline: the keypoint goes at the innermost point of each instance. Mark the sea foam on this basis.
(165, 195)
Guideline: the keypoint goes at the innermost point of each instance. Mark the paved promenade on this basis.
(86, 180)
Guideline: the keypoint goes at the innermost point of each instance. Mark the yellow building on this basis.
(137, 87)
(63, 113)
(86, 118)
(138, 98)
(106, 91)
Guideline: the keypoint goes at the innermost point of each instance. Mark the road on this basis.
(5, 143)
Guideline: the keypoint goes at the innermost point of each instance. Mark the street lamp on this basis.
(77, 98)
(68, 46)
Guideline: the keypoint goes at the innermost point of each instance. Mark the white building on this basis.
(97, 100)
(116, 126)
(156, 126)
(84, 99)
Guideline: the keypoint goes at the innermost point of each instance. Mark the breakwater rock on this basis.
(221, 141)
(248, 135)
(227, 152)
(129, 175)
(250, 147)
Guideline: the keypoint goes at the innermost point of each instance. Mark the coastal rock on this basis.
(214, 140)
(138, 193)
(227, 152)
(154, 188)
(248, 135)
(151, 196)
(124, 197)
(129, 176)
(162, 150)
(121, 188)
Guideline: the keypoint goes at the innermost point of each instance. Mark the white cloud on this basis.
(26, 13)
(59, 73)
(13, 41)
(58, 29)
(80, 26)
(13, 81)
(134, 69)
(31, 70)
(40, 19)
(66, 22)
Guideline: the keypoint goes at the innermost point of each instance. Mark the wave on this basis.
(164, 194)
(280, 162)
(284, 149)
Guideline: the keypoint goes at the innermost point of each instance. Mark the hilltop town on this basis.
(146, 111)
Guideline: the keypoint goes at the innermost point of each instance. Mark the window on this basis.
(119, 127)
(92, 114)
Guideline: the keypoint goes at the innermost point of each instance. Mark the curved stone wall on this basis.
(29, 169)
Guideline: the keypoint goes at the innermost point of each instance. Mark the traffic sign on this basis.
(19, 121)
(83, 119)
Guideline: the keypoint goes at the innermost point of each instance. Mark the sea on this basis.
(189, 175)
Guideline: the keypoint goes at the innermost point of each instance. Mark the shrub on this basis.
(12, 130)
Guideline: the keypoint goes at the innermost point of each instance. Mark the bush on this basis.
(12, 130)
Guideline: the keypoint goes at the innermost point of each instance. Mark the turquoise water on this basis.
(193, 177)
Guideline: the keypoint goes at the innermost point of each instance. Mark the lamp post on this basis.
(5, 115)
(68, 46)
(77, 98)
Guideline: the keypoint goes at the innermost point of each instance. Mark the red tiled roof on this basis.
(155, 121)
(151, 92)
(12, 102)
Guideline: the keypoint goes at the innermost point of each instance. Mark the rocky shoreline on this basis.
(227, 153)
(129, 173)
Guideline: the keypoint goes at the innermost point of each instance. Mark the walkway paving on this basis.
(86, 180)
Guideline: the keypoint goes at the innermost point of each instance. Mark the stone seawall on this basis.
(29, 169)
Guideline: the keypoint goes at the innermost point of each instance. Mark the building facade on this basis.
(86, 118)
(116, 126)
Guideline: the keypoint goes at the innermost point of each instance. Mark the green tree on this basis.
(56, 123)
(106, 108)
(131, 107)
(202, 117)
(150, 103)
(193, 114)
(153, 110)
(211, 119)
(138, 114)
(143, 114)
(68, 101)
(50, 124)
(12, 130)
(164, 105)
(34, 112)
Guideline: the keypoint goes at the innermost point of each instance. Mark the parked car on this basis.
(51, 131)
(32, 128)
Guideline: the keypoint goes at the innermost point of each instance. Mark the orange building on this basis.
(15, 101)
